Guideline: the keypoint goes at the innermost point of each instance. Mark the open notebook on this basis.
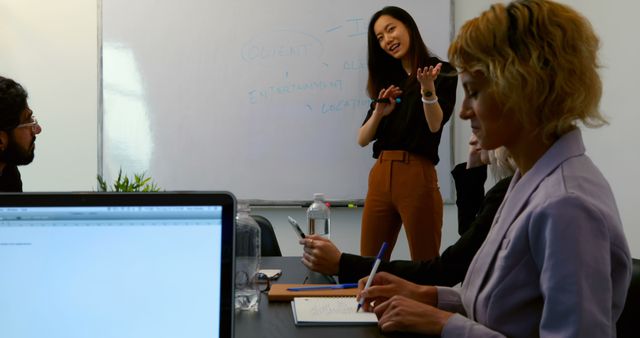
(111, 265)
(312, 311)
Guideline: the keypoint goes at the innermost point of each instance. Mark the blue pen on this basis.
(325, 287)
(373, 272)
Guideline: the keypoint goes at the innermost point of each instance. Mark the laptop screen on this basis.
(100, 265)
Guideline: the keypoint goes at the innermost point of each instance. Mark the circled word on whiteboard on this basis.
(272, 48)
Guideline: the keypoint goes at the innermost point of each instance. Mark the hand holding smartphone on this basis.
(296, 227)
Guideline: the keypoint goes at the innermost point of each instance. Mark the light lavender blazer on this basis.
(555, 263)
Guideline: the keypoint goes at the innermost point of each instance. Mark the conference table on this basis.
(275, 319)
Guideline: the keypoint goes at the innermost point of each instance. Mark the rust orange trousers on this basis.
(403, 190)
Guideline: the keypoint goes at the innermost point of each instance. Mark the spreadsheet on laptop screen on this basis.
(109, 271)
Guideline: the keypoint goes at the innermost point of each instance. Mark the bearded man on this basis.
(18, 130)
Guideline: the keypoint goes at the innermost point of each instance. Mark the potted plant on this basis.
(139, 183)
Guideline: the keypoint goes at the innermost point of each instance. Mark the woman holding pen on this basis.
(403, 185)
(556, 262)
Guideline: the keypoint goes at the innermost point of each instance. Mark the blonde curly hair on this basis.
(541, 60)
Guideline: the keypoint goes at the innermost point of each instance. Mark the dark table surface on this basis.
(275, 319)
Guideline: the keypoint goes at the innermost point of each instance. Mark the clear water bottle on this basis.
(247, 290)
(319, 216)
(319, 219)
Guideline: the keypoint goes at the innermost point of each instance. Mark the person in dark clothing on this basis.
(18, 130)
(403, 184)
(475, 215)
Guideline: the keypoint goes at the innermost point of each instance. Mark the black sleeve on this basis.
(353, 267)
(469, 193)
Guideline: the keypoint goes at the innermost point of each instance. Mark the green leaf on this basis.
(138, 183)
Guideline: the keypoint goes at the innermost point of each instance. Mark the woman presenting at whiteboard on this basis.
(403, 185)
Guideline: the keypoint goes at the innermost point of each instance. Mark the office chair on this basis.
(627, 325)
(268, 241)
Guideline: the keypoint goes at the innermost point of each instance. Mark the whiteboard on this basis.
(261, 98)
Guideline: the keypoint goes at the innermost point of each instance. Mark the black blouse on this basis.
(406, 127)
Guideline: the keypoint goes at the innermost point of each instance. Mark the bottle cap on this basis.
(318, 196)
(243, 207)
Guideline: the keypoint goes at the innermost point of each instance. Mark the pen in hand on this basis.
(385, 100)
(373, 272)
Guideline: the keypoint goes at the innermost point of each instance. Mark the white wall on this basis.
(51, 48)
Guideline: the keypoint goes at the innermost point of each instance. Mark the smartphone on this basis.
(296, 227)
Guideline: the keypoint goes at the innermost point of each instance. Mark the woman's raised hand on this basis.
(427, 75)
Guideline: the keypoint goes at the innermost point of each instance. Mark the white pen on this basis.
(373, 272)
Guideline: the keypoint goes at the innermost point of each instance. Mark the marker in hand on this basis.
(373, 272)
(386, 100)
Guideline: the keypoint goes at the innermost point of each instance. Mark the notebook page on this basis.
(330, 311)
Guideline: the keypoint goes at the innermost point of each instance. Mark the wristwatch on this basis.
(428, 97)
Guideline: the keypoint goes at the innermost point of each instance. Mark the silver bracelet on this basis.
(432, 101)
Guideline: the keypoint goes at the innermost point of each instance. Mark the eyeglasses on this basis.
(266, 281)
(35, 126)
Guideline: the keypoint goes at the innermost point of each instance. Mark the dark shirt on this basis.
(406, 128)
(450, 268)
(10, 180)
(470, 193)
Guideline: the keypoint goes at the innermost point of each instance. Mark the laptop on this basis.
(107, 265)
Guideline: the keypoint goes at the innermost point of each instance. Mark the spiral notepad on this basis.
(311, 311)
